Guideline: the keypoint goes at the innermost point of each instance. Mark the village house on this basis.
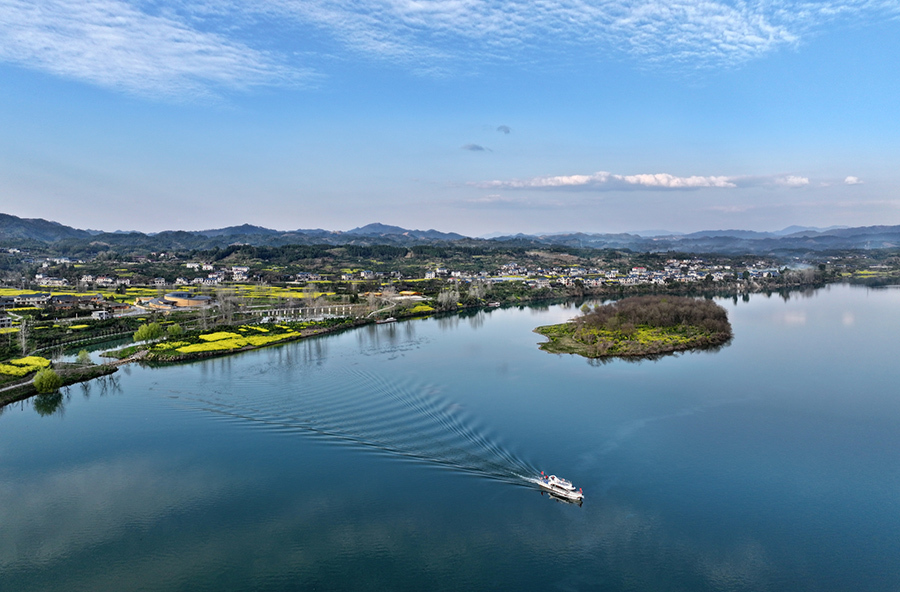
(34, 299)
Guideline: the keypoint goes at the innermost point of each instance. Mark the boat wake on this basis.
(410, 421)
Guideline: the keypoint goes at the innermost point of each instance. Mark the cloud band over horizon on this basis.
(606, 181)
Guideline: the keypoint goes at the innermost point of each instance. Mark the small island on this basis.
(642, 326)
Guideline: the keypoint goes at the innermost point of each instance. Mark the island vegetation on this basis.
(640, 326)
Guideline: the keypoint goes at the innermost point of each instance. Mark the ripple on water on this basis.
(406, 420)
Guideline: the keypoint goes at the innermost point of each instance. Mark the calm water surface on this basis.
(397, 456)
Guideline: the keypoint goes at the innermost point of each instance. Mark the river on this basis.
(398, 457)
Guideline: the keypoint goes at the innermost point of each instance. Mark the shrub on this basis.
(47, 381)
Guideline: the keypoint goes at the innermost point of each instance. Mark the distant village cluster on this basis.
(675, 270)
(96, 304)
(234, 273)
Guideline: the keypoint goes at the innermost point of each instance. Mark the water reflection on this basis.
(447, 322)
(391, 338)
(63, 515)
(49, 404)
(328, 537)
(476, 321)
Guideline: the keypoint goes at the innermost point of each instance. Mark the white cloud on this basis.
(664, 180)
(792, 181)
(177, 47)
(852, 181)
(111, 43)
(705, 33)
(608, 181)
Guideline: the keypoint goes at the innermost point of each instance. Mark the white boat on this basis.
(387, 320)
(560, 487)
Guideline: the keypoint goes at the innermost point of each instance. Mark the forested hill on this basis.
(26, 233)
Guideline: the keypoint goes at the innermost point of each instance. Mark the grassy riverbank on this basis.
(640, 326)
(195, 345)
(69, 373)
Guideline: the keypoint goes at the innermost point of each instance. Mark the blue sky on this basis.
(461, 115)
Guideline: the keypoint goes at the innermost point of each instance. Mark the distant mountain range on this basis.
(25, 233)
(786, 242)
(15, 231)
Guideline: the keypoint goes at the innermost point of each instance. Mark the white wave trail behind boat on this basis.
(410, 421)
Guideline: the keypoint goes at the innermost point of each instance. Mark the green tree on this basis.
(84, 358)
(174, 330)
(148, 332)
(47, 381)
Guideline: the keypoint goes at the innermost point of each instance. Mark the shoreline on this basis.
(24, 390)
